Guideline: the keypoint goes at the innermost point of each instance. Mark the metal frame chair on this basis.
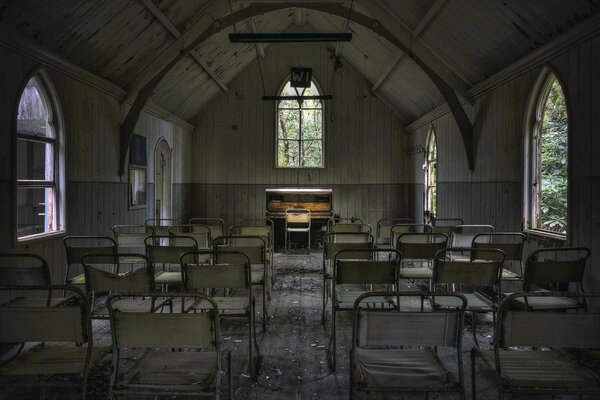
(130, 239)
(160, 228)
(64, 323)
(256, 249)
(332, 244)
(297, 220)
(78, 246)
(539, 365)
(168, 254)
(462, 236)
(258, 227)
(511, 243)
(453, 274)
(396, 351)
(202, 276)
(217, 225)
(160, 371)
(555, 274)
(447, 225)
(383, 233)
(399, 229)
(421, 247)
(347, 270)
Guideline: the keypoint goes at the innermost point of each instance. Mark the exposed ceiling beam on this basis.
(423, 24)
(162, 18)
(259, 47)
(400, 38)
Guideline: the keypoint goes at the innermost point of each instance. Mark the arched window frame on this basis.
(533, 125)
(278, 139)
(430, 185)
(56, 140)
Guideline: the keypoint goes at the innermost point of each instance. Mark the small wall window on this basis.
(300, 129)
(430, 168)
(548, 150)
(39, 163)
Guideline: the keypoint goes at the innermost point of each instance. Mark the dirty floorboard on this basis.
(293, 362)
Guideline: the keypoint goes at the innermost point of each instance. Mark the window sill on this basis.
(558, 237)
(40, 237)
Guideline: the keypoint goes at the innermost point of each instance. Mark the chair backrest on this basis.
(555, 266)
(131, 237)
(254, 227)
(385, 328)
(254, 247)
(477, 272)
(366, 271)
(216, 276)
(78, 246)
(462, 235)
(164, 330)
(445, 225)
(22, 269)
(170, 253)
(297, 216)
(65, 323)
(384, 226)
(200, 233)
(421, 246)
(97, 280)
(531, 328)
(400, 229)
(511, 244)
(217, 225)
(335, 242)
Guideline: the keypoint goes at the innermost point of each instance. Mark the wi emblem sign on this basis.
(301, 77)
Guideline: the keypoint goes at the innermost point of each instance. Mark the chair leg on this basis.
(230, 377)
(474, 326)
(473, 377)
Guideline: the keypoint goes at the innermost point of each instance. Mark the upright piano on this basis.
(318, 201)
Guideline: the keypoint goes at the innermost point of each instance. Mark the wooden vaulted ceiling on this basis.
(124, 41)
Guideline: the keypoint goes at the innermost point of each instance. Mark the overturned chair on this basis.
(193, 370)
(541, 351)
(395, 350)
(63, 333)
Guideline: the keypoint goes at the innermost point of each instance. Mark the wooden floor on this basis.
(293, 351)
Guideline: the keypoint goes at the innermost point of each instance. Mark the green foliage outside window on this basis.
(300, 130)
(552, 192)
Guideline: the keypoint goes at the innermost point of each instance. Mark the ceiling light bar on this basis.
(289, 37)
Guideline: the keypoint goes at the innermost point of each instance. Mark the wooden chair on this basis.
(297, 220)
(225, 277)
(332, 244)
(395, 350)
(63, 333)
(195, 370)
(256, 249)
(535, 351)
(554, 269)
(350, 271)
(23, 269)
(78, 246)
(418, 251)
(383, 236)
(167, 250)
(99, 281)
(450, 275)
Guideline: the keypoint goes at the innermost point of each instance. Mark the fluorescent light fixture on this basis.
(287, 37)
(298, 190)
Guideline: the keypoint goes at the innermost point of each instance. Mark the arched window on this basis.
(39, 164)
(300, 129)
(548, 161)
(430, 168)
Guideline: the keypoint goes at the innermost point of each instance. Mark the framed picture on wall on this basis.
(137, 172)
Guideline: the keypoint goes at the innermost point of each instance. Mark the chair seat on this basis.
(131, 260)
(48, 360)
(225, 304)
(415, 273)
(508, 275)
(258, 277)
(36, 301)
(475, 302)
(400, 368)
(167, 278)
(133, 305)
(77, 280)
(172, 372)
(547, 303)
(550, 369)
(348, 297)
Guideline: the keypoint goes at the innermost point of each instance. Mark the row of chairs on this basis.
(395, 349)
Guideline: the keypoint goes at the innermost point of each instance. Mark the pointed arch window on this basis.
(431, 173)
(548, 158)
(39, 163)
(299, 129)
